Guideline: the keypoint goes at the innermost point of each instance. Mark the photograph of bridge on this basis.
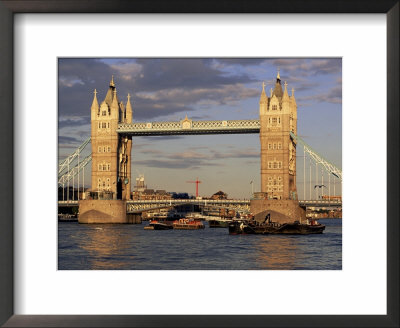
(250, 145)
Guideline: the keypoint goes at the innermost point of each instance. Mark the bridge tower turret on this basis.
(278, 116)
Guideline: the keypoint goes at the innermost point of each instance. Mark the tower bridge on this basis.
(112, 130)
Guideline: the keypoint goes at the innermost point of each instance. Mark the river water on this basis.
(130, 247)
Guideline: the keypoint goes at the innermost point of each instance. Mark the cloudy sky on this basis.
(203, 89)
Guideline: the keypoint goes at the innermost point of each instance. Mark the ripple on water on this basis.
(130, 247)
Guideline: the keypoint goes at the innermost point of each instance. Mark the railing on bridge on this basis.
(140, 205)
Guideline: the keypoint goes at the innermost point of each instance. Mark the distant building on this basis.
(219, 195)
(140, 184)
(150, 194)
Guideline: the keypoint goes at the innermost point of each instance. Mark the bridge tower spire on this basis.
(128, 110)
(95, 105)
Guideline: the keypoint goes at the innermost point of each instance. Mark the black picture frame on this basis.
(10, 7)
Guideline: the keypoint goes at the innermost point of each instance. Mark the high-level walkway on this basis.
(187, 127)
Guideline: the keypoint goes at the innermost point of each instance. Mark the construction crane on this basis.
(197, 186)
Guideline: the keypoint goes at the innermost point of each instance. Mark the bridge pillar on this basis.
(281, 210)
(278, 116)
(102, 211)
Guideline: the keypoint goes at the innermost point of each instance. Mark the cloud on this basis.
(175, 164)
(161, 138)
(333, 96)
(128, 70)
(75, 121)
(170, 101)
(161, 87)
(224, 62)
(64, 139)
(191, 158)
(308, 67)
(68, 142)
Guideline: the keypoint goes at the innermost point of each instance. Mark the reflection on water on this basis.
(275, 252)
(103, 243)
(129, 247)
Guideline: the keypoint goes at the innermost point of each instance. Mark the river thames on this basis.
(130, 247)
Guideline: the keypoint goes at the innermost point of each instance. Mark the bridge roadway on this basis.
(138, 206)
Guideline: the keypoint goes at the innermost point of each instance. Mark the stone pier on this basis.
(102, 211)
(282, 211)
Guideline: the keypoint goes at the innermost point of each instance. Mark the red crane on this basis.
(197, 186)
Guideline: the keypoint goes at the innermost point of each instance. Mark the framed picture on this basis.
(28, 239)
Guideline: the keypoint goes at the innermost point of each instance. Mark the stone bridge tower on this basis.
(111, 153)
(111, 161)
(278, 117)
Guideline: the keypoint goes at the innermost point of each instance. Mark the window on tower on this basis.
(274, 164)
(104, 113)
(274, 107)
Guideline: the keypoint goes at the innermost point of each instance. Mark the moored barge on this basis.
(269, 227)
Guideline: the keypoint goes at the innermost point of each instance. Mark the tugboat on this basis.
(269, 227)
(187, 224)
(158, 225)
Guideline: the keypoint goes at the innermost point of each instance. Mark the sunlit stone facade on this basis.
(111, 153)
(278, 116)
